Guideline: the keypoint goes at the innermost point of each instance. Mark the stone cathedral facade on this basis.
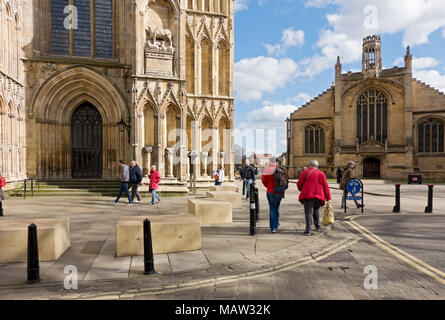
(85, 83)
(389, 123)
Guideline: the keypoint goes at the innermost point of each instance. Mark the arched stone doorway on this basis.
(371, 168)
(86, 142)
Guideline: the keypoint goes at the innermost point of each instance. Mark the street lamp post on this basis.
(122, 125)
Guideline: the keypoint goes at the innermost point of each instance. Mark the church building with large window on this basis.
(389, 123)
(85, 83)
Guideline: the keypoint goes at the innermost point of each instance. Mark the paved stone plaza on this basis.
(232, 264)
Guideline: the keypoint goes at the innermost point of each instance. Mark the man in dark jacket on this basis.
(135, 180)
(248, 176)
(348, 174)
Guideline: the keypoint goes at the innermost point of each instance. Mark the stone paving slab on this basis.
(186, 261)
(251, 268)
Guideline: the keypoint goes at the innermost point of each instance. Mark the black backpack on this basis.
(281, 180)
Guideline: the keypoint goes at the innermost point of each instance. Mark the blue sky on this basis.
(285, 50)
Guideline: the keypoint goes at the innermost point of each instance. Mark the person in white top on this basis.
(218, 175)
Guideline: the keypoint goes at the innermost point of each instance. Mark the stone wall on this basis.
(149, 73)
(12, 111)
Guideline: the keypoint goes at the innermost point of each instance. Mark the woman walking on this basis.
(2, 195)
(155, 178)
(219, 176)
(315, 191)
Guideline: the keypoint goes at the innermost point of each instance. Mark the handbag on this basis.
(329, 216)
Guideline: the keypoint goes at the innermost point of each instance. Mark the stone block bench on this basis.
(170, 233)
(224, 188)
(53, 239)
(229, 196)
(210, 212)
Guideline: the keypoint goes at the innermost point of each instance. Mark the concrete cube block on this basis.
(224, 188)
(210, 212)
(53, 239)
(170, 233)
(233, 197)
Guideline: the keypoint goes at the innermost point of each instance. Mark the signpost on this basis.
(353, 188)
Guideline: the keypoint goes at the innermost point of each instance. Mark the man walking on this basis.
(314, 191)
(135, 180)
(249, 176)
(276, 182)
(125, 179)
(348, 175)
(155, 178)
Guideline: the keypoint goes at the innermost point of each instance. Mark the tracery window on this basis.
(372, 116)
(431, 136)
(82, 28)
(314, 139)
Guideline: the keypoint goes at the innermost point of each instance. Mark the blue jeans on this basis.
(248, 184)
(124, 187)
(274, 206)
(154, 195)
(218, 183)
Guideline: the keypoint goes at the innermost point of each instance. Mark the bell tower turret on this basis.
(372, 56)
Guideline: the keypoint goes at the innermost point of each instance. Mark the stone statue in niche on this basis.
(159, 39)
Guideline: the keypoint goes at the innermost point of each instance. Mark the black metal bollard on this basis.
(244, 187)
(397, 206)
(149, 267)
(33, 255)
(429, 208)
(1, 208)
(24, 194)
(252, 214)
(257, 205)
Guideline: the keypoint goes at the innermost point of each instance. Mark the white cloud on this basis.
(419, 63)
(275, 49)
(432, 78)
(271, 115)
(240, 5)
(268, 126)
(349, 23)
(255, 76)
(301, 99)
(290, 38)
(422, 71)
(318, 3)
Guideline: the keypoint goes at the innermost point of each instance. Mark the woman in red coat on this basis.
(155, 178)
(314, 192)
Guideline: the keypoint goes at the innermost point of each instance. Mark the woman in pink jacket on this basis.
(314, 192)
(155, 178)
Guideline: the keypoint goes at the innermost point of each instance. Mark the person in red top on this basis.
(155, 178)
(273, 197)
(314, 192)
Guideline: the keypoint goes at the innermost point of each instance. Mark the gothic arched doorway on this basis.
(86, 142)
(371, 168)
